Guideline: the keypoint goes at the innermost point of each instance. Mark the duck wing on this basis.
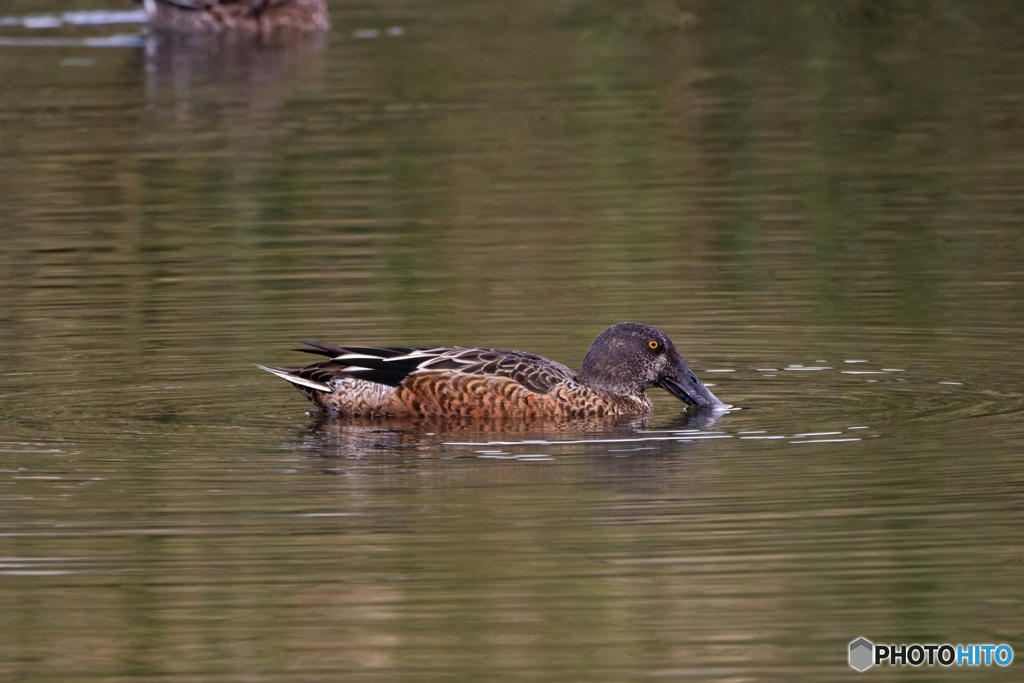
(391, 365)
(536, 373)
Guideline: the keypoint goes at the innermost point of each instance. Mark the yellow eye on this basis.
(653, 345)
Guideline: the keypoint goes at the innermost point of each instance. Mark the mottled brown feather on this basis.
(446, 394)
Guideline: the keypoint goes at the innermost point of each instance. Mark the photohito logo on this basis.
(864, 654)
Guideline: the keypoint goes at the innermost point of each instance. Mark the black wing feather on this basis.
(332, 350)
(374, 364)
(330, 370)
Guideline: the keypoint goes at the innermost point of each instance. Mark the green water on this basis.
(784, 188)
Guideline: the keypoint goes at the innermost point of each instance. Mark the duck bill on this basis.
(687, 388)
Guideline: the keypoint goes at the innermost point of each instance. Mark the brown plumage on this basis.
(245, 16)
(475, 382)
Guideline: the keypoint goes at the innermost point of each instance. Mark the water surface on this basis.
(820, 203)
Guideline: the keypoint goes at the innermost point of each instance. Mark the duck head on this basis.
(630, 357)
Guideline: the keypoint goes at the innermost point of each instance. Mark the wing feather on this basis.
(536, 373)
(333, 350)
(391, 365)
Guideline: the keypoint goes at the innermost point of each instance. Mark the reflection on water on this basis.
(819, 202)
(497, 438)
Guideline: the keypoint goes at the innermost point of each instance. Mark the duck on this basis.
(623, 362)
(248, 16)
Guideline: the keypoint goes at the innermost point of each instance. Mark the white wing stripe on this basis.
(296, 380)
(412, 356)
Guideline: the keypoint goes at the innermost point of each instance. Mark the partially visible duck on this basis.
(457, 381)
(250, 16)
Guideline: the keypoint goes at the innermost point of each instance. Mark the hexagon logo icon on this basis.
(862, 654)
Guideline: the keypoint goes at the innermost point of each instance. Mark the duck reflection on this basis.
(234, 64)
(395, 439)
(624, 456)
(214, 92)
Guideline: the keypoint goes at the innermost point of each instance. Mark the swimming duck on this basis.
(458, 381)
(250, 16)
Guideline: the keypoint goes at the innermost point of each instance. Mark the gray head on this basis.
(630, 357)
